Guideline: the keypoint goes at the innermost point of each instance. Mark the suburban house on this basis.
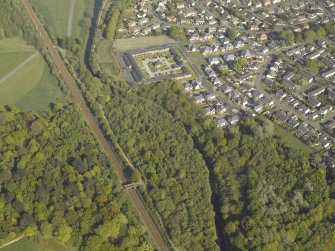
(222, 122)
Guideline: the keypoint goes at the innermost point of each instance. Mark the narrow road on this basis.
(11, 242)
(93, 124)
(70, 18)
(17, 68)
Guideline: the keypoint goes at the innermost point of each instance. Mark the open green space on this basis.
(9, 60)
(56, 13)
(41, 245)
(44, 93)
(24, 245)
(31, 87)
(141, 42)
(106, 57)
(291, 140)
(195, 55)
(201, 62)
(105, 51)
(14, 44)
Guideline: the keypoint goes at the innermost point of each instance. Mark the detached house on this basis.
(209, 110)
(222, 122)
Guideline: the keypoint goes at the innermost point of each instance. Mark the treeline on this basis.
(309, 35)
(54, 179)
(72, 44)
(113, 17)
(14, 22)
(270, 196)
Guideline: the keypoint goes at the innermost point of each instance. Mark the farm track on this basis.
(70, 18)
(17, 68)
(93, 124)
(12, 242)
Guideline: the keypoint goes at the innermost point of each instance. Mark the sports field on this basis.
(62, 15)
(41, 245)
(25, 79)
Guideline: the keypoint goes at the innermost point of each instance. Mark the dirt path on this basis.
(11, 242)
(17, 68)
(93, 124)
(101, 10)
(70, 18)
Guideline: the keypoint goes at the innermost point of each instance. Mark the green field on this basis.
(291, 140)
(9, 60)
(42, 245)
(31, 87)
(56, 13)
(128, 44)
(106, 58)
(105, 51)
(14, 44)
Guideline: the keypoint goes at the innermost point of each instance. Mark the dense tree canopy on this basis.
(113, 17)
(174, 171)
(13, 22)
(54, 179)
(270, 196)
